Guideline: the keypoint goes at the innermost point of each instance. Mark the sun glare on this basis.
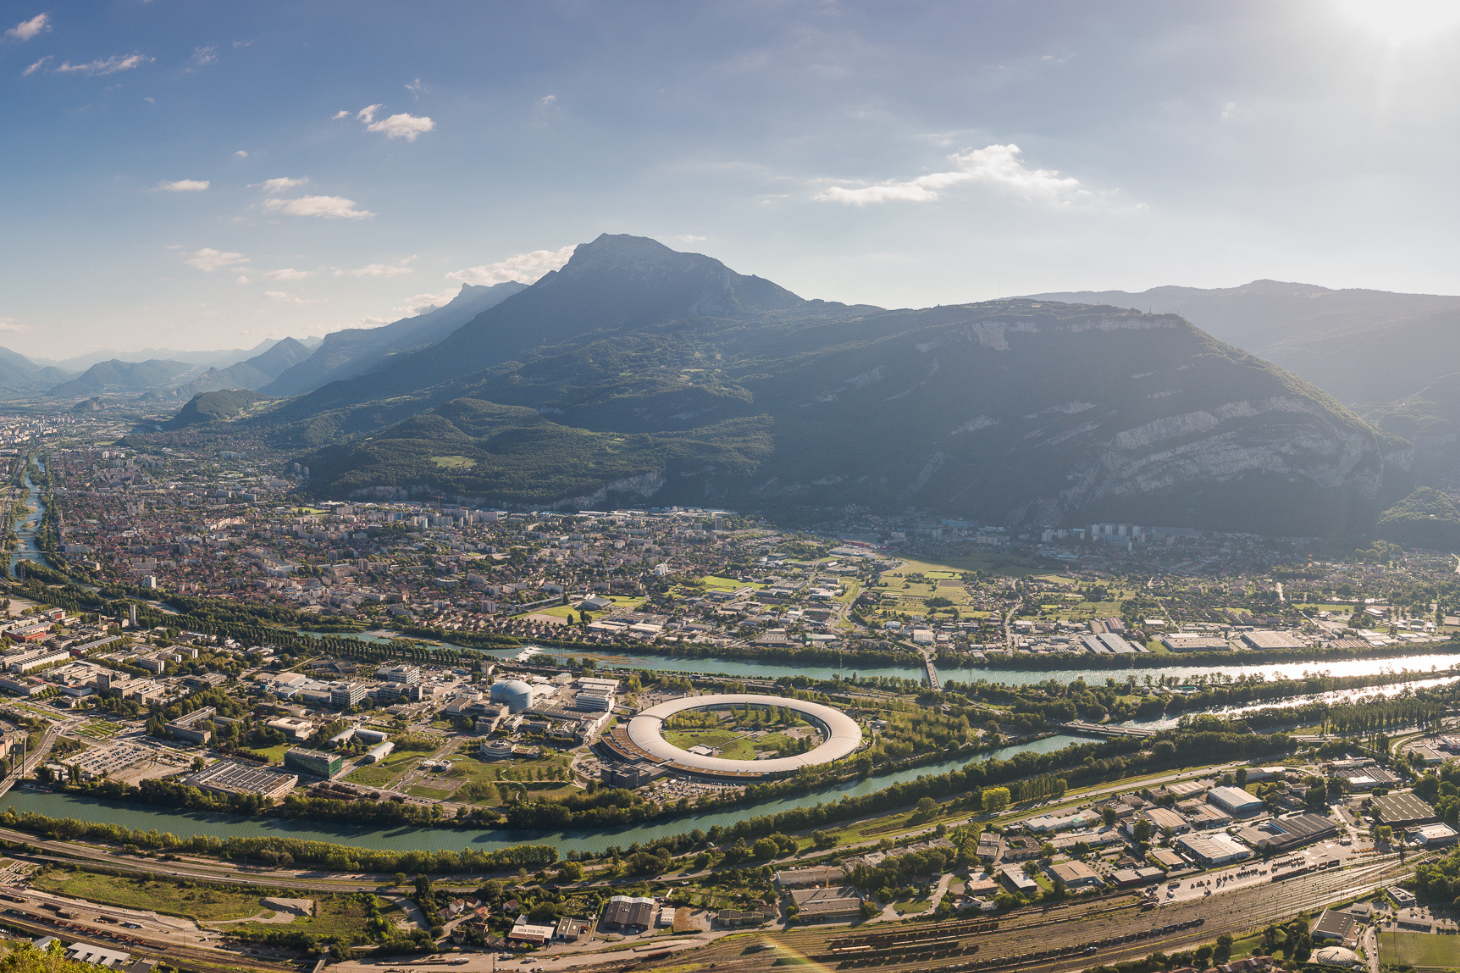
(1403, 21)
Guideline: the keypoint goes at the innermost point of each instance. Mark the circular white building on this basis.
(843, 736)
(514, 692)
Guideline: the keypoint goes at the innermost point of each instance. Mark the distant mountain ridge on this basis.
(1365, 347)
(356, 351)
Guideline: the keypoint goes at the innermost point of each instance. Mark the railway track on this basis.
(1057, 938)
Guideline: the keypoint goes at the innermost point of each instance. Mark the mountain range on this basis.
(638, 373)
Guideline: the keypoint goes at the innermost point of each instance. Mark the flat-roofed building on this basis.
(823, 875)
(1235, 801)
(1431, 835)
(313, 762)
(1402, 810)
(1215, 849)
(233, 777)
(1075, 875)
(1272, 640)
(191, 727)
(1163, 819)
(1014, 878)
(842, 904)
(1333, 927)
(1126, 878)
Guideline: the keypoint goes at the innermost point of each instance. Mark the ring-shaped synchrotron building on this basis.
(843, 736)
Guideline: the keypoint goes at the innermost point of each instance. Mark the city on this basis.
(644, 487)
(1140, 726)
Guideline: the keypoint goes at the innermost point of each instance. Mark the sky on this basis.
(197, 175)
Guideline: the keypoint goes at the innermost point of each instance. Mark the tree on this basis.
(1107, 814)
(995, 799)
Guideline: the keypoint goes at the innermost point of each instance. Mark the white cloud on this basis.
(524, 267)
(325, 207)
(109, 65)
(209, 259)
(184, 186)
(241, 154)
(341, 114)
(276, 186)
(203, 56)
(10, 324)
(291, 299)
(241, 279)
(35, 67)
(287, 273)
(994, 165)
(380, 270)
(402, 126)
(417, 88)
(547, 101)
(420, 302)
(27, 29)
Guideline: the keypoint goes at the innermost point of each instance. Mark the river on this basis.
(147, 818)
(26, 529)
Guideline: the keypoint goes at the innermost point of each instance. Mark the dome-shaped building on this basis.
(515, 693)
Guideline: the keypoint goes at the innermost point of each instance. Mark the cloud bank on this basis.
(997, 166)
(524, 267)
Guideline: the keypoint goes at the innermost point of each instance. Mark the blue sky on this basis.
(202, 175)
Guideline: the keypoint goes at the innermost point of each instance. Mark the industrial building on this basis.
(1283, 834)
(1217, 849)
(1272, 640)
(312, 762)
(631, 775)
(1402, 810)
(842, 904)
(232, 777)
(377, 753)
(516, 694)
(1235, 801)
(1076, 875)
(625, 912)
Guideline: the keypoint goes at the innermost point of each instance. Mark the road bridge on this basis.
(1107, 730)
(931, 670)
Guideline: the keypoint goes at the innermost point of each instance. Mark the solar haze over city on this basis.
(608, 487)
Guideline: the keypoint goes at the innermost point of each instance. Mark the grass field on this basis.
(433, 793)
(731, 744)
(454, 462)
(620, 603)
(338, 916)
(387, 770)
(201, 902)
(1419, 949)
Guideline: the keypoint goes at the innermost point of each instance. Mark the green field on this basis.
(338, 916)
(454, 462)
(387, 770)
(200, 902)
(731, 744)
(1419, 949)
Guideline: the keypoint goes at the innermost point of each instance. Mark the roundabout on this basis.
(646, 733)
